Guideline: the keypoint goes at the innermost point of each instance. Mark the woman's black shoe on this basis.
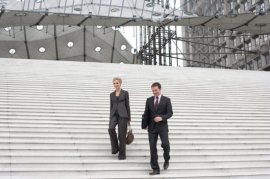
(115, 152)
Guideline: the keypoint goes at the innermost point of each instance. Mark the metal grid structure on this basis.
(228, 48)
(210, 45)
(222, 33)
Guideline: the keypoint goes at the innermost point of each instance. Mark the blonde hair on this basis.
(118, 79)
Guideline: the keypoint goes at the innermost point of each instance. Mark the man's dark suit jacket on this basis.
(121, 105)
(164, 111)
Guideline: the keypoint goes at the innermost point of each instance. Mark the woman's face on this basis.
(116, 84)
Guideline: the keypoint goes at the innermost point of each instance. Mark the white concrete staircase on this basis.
(54, 120)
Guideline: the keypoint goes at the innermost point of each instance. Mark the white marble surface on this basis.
(54, 118)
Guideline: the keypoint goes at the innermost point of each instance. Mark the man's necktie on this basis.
(156, 103)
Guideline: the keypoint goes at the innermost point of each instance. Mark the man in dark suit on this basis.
(158, 110)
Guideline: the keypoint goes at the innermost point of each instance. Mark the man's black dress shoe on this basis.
(154, 172)
(166, 165)
(121, 158)
(115, 151)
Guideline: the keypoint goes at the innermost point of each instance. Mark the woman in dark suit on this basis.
(119, 115)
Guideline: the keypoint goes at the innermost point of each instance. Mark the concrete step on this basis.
(134, 122)
(80, 167)
(139, 135)
(132, 159)
(136, 110)
(135, 146)
(101, 130)
(105, 117)
(135, 114)
(54, 121)
(105, 127)
(131, 173)
(130, 152)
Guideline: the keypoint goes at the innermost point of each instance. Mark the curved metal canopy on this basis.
(250, 23)
(95, 44)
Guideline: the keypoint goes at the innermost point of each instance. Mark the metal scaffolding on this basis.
(203, 46)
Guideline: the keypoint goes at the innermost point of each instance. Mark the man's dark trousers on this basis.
(165, 144)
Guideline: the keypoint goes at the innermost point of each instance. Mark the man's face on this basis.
(156, 91)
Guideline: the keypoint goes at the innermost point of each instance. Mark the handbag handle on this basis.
(129, 127)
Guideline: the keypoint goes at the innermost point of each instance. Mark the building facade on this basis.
(213, 47)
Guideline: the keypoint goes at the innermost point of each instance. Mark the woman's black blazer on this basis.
(121, 105)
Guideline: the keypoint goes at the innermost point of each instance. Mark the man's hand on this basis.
(157, 119)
